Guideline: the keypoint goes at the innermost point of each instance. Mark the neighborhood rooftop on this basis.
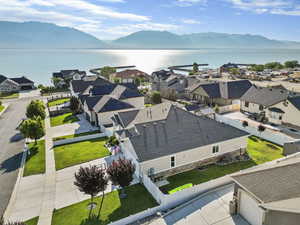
(265, 96)
(166, 129)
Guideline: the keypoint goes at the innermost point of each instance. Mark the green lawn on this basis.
(76, 135)
(33, 221)
(9, 95)
(259, 150)
(114, 208)
(63, 119)
(1, 108)
(58, 102)
(35, 162)
(79, 152)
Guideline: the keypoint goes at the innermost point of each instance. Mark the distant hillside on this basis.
(164, 39)
(44, 35)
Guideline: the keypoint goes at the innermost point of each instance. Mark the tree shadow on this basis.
(11, 164)
(254, 138)
(33, 151)
(93, 220)
(17, 137)
(70, 118)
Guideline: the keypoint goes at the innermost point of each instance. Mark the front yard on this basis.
(33, 221)
(260, 151)
(114, 208)
(58, 102)
(1, 108)
(35, 162)
(63, 119)
(79, 152)
(9, 95)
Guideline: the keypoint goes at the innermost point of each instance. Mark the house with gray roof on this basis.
(220, 93)
(269, 194)
(164, 139)
(15, 84)
(278, 105)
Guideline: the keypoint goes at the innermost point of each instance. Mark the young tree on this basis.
(91, 180)
(36, 108)
(56, 81)
(33, 129)
(195, 68)
(74, 105)
(291, 64)
(106, 71)
(121, 173)
(156, 97)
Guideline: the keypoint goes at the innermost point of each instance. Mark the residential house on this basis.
(128, 76)
(15, 84)
(163, 139)
(102, 101)
(220, 93)
(165, 80)
(269, 194)
(278, 105)
(67, 75)
(79, 86)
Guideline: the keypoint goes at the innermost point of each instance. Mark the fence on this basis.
(229, 108)
(78, 139)
(272, 136)
(58, 96)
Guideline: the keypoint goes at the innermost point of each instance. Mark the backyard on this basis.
(9, 95)
(114, 208)
(32, 221)
(1, 108)
(79, 152)
(35, 161)
(58, 102)
(260, 151)
(63, 119)
(76, 135)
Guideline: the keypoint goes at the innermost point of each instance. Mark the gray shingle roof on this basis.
(273, 182)
(275, 109)
(81, 85)
(168, 130)
(107, 103)
(295, 101)
(21, 80)
(2, 78)
(265, 96)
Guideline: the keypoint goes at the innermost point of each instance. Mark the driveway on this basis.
(209, 209)
(11, 149)
(80, 126)
(29, 93)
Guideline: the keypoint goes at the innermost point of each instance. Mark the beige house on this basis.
(128, 76)
(269, 194)
(163, 140)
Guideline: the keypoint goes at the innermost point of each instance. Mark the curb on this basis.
(16, 187)
(5, 108)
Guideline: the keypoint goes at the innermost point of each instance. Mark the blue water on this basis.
(40, 64)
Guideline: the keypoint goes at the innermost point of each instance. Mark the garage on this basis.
(249, 209)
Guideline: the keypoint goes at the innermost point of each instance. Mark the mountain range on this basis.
(47, 35)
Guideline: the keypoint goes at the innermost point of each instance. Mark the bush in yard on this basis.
(0, 103)
(112, 141)
(156, 97)
(91, 180)
(36, 108)
(74, 105)
(121, 173)
(261, 128)
(245, 123)
(33, 129)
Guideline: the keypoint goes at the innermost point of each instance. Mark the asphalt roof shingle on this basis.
(2, 78)
(21, 80)
(295, 101)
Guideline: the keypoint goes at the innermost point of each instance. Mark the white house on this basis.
(15, 84)
(269, 194)
(165, 140)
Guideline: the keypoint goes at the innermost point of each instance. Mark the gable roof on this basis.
(295, 101)
(21, 80)
(107, 103)
(91, 101)
(2, 78)
(273, 182)
(68, 73)
(212, 90)
(265, 96)
(79, 86)
(130, 73)
(167, 129)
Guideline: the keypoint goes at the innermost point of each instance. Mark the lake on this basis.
(39, 65)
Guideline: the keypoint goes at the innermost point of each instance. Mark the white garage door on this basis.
(249, 209)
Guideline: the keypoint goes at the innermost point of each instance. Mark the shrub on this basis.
(261, 128)
(245, 123)
(156, 97)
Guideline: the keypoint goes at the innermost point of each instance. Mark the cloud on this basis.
(282, 7)
(187, 3)
(190, 21)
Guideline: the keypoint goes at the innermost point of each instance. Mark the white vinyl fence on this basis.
(272, 136)
(78, 139)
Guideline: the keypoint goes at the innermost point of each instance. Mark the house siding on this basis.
(291, 113)
(9, 86)
(252, 107)
(281, 218)
(184, 158)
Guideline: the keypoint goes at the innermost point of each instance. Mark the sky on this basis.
(111, 19)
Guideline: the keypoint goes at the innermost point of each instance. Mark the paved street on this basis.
(11, 146)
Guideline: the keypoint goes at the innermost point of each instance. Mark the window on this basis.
(172, 161)
(247, 104)
(261, 107)
(215, 149)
